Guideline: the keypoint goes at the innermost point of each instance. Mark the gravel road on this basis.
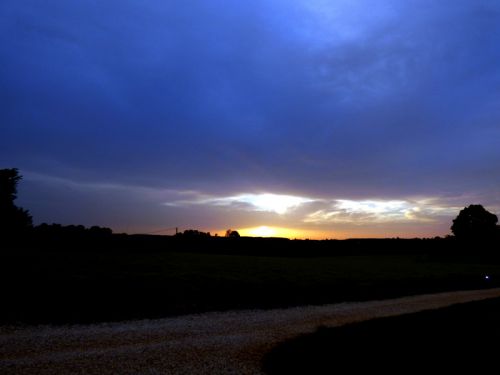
(230, 342)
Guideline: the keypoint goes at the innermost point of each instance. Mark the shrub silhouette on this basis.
(13, 220)
(474, 223)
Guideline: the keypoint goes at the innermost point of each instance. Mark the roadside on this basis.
(232, 342)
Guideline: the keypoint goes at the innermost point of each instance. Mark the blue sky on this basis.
(360, 118)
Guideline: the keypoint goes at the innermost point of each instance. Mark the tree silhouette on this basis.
(13, 220)
(232, 233)
(193, 233)
(474, 222)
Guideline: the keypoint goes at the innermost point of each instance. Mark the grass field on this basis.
(77, 287)
(460, 339)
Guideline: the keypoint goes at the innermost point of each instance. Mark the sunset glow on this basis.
(261, 232)
(291, 233)
(267, 231)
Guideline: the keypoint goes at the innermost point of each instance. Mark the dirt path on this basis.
(213, 343)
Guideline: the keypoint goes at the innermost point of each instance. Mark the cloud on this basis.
(324, 100)
(320, 211)
(378, 211)
(267, 202)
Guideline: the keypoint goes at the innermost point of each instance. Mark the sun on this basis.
(262, 231)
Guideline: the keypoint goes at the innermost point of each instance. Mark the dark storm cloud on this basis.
(163, 92)
(321, 99)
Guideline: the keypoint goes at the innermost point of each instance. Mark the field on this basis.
(91, 286)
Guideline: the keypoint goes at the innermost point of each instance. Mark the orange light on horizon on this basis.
(270, 231)
(262, 231)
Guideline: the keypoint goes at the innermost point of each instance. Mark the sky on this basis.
(295, 118)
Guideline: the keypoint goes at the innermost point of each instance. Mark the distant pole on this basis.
(176, 230)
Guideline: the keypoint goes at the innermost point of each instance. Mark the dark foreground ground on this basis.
(135, 278)
(458, 339)
(231, 342)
